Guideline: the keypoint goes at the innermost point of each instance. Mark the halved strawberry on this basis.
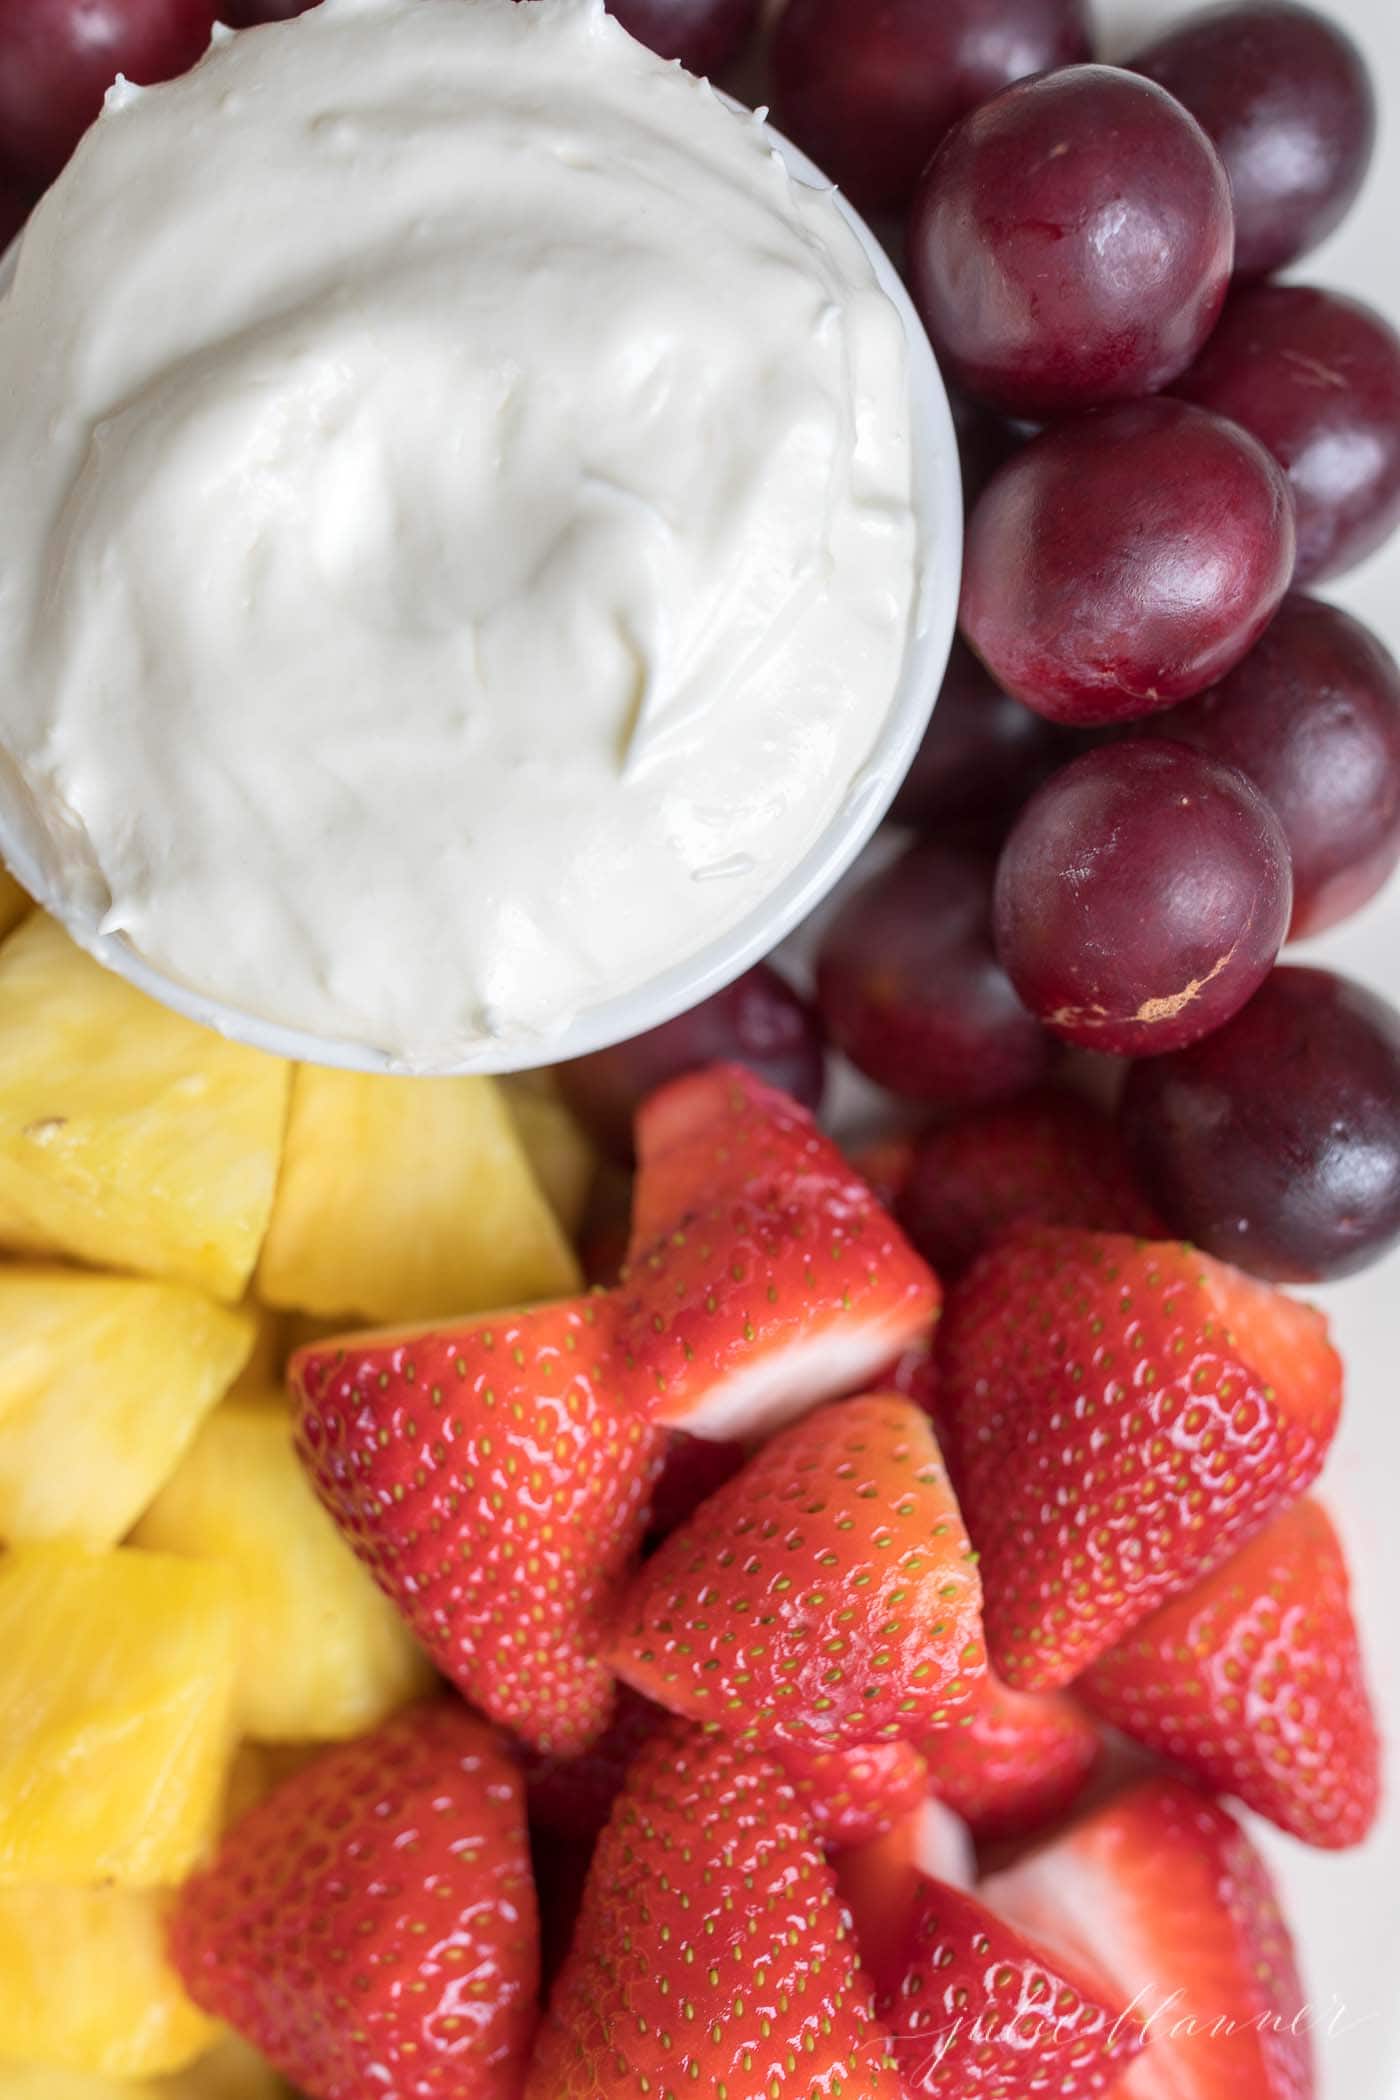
(1160, 1899)
(1048, 1159)
(712, 1954)
(1254, 1682)
(1010, 1762)
(881, 1883)
(495, 1484)
(346, 1921)
(762, 1276)
(826, 1598)
(857, 1795)
(981, 2013)
(1122, 1417)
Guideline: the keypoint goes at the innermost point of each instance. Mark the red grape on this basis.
(1071, 243)
(1285, 97)
(1142, 897)
(1316, 377)
(911, 990)
(1126, 561)
(870, 90)
(758, 1021)
(59, 57)
(982, 754)
(703, 34)
(1276, 1143)
(247, 14)
(1313, 716)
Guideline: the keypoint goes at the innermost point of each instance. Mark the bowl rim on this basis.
(938, 510)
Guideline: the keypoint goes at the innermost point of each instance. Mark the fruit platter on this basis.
(699, 1050)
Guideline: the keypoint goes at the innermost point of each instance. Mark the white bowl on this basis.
(938, 507)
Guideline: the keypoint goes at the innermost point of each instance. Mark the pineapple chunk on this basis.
(229, 2071)
(325, 1654)
(15, 903)
(85, 1984)
(103, 1381)
(559, 1149)
(117, 1678)
(129, 1137)
(407, 1199)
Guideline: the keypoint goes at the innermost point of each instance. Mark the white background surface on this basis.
(1345, 1908)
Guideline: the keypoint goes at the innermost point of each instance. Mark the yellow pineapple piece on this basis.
(325, 1654)
(228, 2071)
(103, 1381)
(15, 903)
(129, 1137)
(117, 1677)
(407, 1199)
(560, 1151)
(85, 1986)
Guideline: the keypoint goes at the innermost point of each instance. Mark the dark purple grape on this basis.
(1313, 716)
(1142, 897)
(758, 1021)
(1125, 561)
(982, 754)
(59, 57)
(1285, 97)
(869, 90)
(703, 34)
(1071, 243)
(1316, 377)
(911, 990)
(247, 14)
(1276, 1143)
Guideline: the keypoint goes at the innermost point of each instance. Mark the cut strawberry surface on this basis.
(1254, 1681)
(980, 2013)
(1160, 1899)
(1049, 1159)
(881, 1883)
(495, 1484)
(857, 1795)
(826, 1598)
(763, 1276)
(370, 1926)
(1122, 1416)
(1010, 1762)
(712, 1955)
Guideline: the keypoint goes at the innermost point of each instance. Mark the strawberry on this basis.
(763, 1276)
(496, 1486)
(1253, 1681)
(857, 1795)
(881, 1883)
(1122, 1417)
(1010, 1762)
(347, 1922)
(1048, 1159)
(981, 2013)
(1160, 1900)
(712, 1954)
(824, 1599)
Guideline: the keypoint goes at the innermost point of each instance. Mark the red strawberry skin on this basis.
(370, 1926)
(1160, 1899)
(857, 1795)
(1010, 1762)
(826, 1598)
(712, 1954)
(763, 1276)
(981, 2014)
(495, 1484)
(1049, 1159)
(882, 1883)
(1253, 1681)
(1122, 1417)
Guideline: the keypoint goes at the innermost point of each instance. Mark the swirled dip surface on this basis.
(457, 546)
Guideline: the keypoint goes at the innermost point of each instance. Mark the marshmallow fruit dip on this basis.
(459, 545)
